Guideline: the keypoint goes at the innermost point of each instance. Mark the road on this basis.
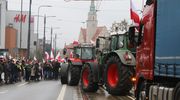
(52, 90)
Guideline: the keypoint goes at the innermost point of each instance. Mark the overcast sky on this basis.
(73, 13)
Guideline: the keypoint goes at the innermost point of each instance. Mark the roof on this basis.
(98, 31)
(84, 33)
(96, 34)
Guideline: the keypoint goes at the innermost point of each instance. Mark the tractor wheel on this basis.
(176, 92)
(87, 83)
(117, 77)
(63, 75)
(141, 91)
(73, 75)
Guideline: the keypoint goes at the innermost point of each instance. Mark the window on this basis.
(121, 41)
(78, 52)
(114, 42)
(87, 53)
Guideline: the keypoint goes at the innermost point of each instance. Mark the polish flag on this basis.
(71, 54)
(52, 54)
(58, 57)
(35, 59)
(133, 13)
(46, 56)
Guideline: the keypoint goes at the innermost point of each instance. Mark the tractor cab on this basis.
(122, 41)
(117, 41)
(84, 51)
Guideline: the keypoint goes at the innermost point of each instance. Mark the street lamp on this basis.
(52, 28)
(29, 30)
(38, 22)
(44, 41)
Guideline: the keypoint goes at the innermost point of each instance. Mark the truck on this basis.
(158, 51)
(114, 69)
(71, 69)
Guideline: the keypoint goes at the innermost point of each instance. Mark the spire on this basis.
(92, 7)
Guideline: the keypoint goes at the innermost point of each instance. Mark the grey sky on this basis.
(72, 14)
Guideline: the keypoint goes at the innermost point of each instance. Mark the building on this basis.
(90, 34)
(13, 21)
(2, 26)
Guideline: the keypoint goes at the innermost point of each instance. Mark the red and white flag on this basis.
(52, 55)
(133, 13)
(35, 59)
(58, 57)
(46, 56)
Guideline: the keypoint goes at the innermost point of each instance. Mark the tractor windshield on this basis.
(114, 40)
(77, 52)
(87, 53)
(121, 41)
(117, 42)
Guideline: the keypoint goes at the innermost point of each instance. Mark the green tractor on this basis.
(115, 66)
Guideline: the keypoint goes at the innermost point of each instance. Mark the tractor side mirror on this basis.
(132, 37)
(97, 43)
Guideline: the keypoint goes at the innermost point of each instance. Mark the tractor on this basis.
(115, 66)
(71, 69)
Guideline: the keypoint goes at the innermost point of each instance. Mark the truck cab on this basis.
(158, 51)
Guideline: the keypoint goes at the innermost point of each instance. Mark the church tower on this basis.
(91, 22)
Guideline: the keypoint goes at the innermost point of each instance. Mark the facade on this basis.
(14, 19)
(2, 25)
(91, 33)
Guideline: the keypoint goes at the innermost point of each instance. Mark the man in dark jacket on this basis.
(56, 69)
(1, 69)
(28, 70)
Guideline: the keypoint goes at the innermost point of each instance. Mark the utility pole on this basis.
(37, 43)
(29, 30)
(21, 24)
(44, 41)
(51, 36)
(55, 43)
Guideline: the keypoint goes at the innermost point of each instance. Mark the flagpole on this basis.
(142, 5)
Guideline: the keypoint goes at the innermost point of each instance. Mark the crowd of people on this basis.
(12, 70)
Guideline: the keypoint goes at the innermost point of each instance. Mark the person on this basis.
(1, 69)
(18, 66)
(12, 71)
(37, 73)
(33, 72)
(28, 71)
(56, 69)
(22, 69)
(7, 71)
(45, 72)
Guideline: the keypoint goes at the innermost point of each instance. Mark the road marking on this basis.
(131, 97)
(62, 92)
(22, 84)
(2, 92)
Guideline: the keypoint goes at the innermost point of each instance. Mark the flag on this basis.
(133, 13)
(46, 56)
(71, 54)
(58, 57)
(52, 55)
(43, 61)
(35, 59)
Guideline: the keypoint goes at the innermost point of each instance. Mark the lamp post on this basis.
(38, 22)
(52, 28)
(44, 41)
(21, 24)
(29, 30)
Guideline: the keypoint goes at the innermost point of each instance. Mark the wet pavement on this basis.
(52, 90)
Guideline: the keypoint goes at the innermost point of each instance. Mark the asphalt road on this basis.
(52, 90)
